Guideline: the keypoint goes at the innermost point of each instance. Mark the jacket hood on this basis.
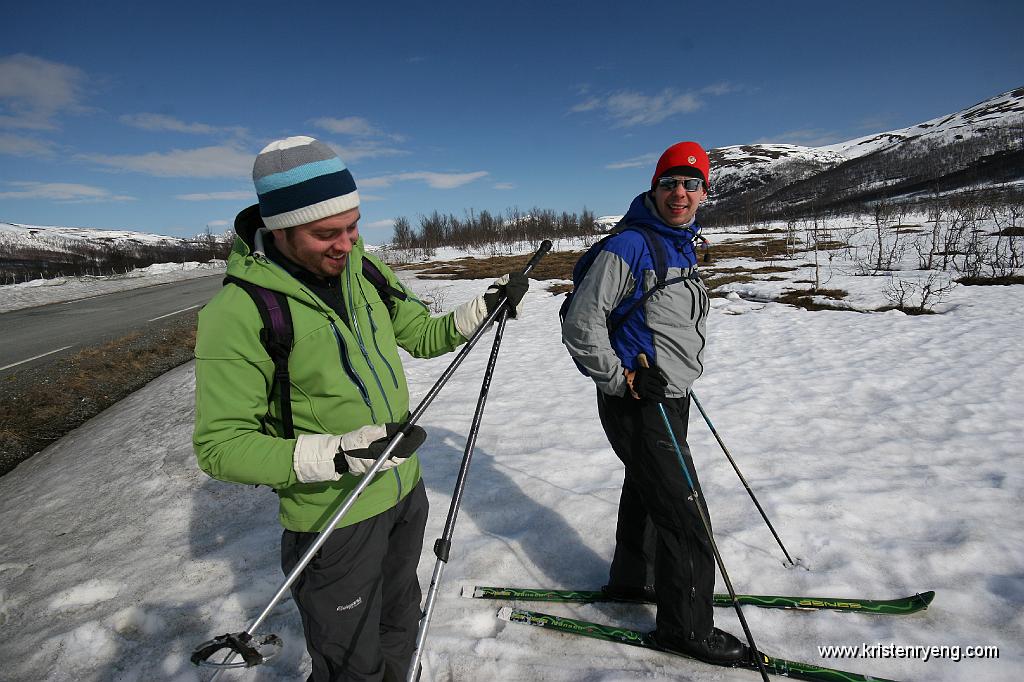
(247, 222)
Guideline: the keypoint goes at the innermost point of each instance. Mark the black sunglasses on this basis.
(689, 184)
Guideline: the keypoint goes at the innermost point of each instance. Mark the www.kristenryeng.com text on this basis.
(953, 652)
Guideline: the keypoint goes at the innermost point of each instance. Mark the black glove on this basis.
(649, 383)
(359, 449)
(514, 285)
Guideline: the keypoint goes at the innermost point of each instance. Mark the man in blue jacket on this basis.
(661, 547)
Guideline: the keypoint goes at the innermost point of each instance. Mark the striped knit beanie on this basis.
(299, 180)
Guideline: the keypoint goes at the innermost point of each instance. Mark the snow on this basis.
(1003, 110)
(60, 289)
(739, 167)
(884, 447)
(27, 235)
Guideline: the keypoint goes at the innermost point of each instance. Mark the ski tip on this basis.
(926, 597)
(505, 613)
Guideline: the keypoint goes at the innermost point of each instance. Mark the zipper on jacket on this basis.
(376, 345)
(373, 333)
(362, 346)
(345, 363)
(350, 371)
(398, 479)
(693, 301)
(705, 309)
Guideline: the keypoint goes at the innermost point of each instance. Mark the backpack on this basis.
(656, 247)
(277, 334)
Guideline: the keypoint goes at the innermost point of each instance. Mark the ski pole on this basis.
(442, 546)
(707, 529)
(764, 516)
(243, 643)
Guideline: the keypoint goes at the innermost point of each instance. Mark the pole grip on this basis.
(545, 246)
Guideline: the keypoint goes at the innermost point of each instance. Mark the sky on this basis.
(147, 116)
(884, 448)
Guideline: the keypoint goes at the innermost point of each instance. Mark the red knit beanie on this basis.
(686, 159)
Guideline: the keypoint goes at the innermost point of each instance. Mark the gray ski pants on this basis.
(359, 597)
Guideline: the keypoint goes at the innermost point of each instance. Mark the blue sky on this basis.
(147, 116)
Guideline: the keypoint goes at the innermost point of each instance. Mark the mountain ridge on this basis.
(981, 147)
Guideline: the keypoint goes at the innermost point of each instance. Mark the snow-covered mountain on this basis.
(43, 251)
(1002, 111)
(66, 238)
(607, 222)
(981, 146)
(745, 167)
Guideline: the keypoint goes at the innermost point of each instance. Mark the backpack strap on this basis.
(276, 336)
(656, 247)
(384, 289)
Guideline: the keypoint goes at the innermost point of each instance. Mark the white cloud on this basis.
(366, 150)
(719, 89)
(641, 161)
(218, 196)
(222, 161)
(16, 145)
(433, 180)
(63, 192)
(34, 91)
(586, 105)
(629, 108)
(504, 185)
(219, 223)
(633, 108)
(355, 126)
(162, 122)
(387, 222)
(351, 125)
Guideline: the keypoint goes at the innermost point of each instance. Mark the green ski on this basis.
(774, 666)
(892, 607)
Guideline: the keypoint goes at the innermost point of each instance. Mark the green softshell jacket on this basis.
(343, 376)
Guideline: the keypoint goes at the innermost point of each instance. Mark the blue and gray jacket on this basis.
(669, 327)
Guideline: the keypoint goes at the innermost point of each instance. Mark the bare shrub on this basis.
(918, 296)
(435, 298)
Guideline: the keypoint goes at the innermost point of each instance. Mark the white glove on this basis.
(323, 457)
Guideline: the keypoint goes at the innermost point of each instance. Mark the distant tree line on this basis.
(47, 256)
(488, 231)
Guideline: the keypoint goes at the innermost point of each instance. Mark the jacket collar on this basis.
(642, 211)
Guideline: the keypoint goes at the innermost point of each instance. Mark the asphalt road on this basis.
(38, 335)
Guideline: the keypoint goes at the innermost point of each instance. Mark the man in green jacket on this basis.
(359, 597)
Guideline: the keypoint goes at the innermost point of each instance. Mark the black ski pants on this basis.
(359, 597)
(659, 533)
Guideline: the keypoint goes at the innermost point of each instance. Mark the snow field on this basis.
(885, 449)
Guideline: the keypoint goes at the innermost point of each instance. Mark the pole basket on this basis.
(253, 650)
